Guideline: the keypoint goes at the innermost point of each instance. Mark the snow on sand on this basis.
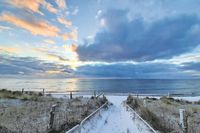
(115, 120)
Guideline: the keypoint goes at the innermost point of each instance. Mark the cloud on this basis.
(4, 28)
(71, 48)
(53, 72)
(195, 66)
(31, 66)
(49, 41)
(49, 7)
(65, 37)
(56, 58)
(65, 22)
(99, 14)
(122, 39)
(67, 56)
(49, 55)
(32, 5)
(36, 27)
(75, 11)
(73, 35)
(141, 70)
(73, 61)
(11, 50)
(61, 4)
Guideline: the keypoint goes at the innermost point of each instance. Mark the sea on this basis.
(137, 86)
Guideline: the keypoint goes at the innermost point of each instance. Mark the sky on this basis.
(100, 38)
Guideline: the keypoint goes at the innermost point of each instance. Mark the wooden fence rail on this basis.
(77, 128)
(149, 126)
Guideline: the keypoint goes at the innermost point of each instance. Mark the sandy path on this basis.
(115, 120)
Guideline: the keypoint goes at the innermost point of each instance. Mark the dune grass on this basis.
(146, 114)
(27, 95)
(163, 114)
(33, 114)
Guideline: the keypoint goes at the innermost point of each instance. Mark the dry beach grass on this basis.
(30, 112)
(163, 113)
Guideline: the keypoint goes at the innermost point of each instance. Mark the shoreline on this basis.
(186, 98)
(189, 97)
(91, 91)
(122, 94)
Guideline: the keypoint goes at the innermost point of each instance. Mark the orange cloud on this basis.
(72, 36)
(53, 71)
(10, 50)
(35, 27)
(61, 4)
(65, 22)
(71, 48)
(40, 50)
(32, 5)
(65, 37)
(50, 7)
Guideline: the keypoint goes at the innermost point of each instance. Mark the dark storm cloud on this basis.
(123, 39)
(192, 66)
(142, 70)
(27, 66)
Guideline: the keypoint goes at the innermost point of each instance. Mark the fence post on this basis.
(183, 120)
(43, 91)
(137, 95)
(94, 94)
(145, 103)
(168, 95)
(70, 94)
(104, 96)
(52, 114)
